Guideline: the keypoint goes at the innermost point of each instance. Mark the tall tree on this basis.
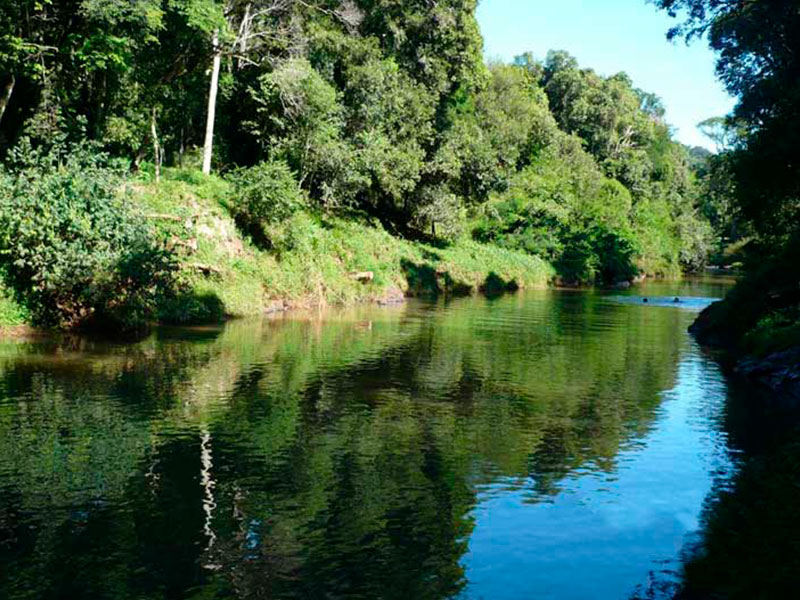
(758, 50)
(247, 31)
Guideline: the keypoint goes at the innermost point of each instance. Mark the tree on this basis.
(248, 30)
(759, 62)
(720, 131)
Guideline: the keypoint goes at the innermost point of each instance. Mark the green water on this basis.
(549, 444)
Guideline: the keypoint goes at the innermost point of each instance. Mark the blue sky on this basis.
(611, 36)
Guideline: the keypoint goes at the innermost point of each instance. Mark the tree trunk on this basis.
(208, 147)
(156, 146)
(182, 148)
(8, 89)
(244, 31)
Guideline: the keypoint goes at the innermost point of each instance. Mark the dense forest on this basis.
(322, 128)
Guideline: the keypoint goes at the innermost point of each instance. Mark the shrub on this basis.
(265, 196)
(572, 217)
(187, 308)
(598, 255)
(71, 249)
(439, 212)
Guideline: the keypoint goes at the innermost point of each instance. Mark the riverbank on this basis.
(757, 326)
(322, 261)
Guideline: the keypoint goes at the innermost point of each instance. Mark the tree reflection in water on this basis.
(307, 458)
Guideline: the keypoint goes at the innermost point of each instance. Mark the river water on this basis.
(548, 444)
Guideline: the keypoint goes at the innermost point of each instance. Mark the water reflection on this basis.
(748, 543)
(478, 448)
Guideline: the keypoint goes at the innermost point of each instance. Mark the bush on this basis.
(11, 313)
(573, 218)
(187, 308)
(265, 196)
(438, 211)
(598, 255)
(697, 239)
(71, 250)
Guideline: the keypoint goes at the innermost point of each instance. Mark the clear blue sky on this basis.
(610, 36)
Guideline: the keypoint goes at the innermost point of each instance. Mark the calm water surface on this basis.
(550, 444)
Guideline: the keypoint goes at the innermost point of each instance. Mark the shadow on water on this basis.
(749, 543)
(303, 458)
(495, 286)
(425, 280)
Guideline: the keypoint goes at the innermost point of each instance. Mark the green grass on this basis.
(228, 274)
(11, 313)
(775, 332)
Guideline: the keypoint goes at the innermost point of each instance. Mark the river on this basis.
(549, 444)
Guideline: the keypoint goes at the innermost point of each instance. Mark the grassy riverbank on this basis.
(322, 261)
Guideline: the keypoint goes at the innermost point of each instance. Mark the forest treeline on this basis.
(309, 110)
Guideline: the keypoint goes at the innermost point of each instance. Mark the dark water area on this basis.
(549, 444)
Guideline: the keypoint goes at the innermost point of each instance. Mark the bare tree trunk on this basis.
(208, 147)
(156, 146)
(244, 31)
(182, 148)
(8, 89)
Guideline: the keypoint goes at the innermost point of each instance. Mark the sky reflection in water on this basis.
(551, 444)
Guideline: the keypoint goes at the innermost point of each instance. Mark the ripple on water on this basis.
(548, 444)
(691, 303)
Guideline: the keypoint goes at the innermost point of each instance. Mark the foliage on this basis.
(763, 72)
(752, 188)
(265, 196)
(71, 248)
(765, 299)
(11, 313)
(607, 196)
(299, 120)
(331, 108)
